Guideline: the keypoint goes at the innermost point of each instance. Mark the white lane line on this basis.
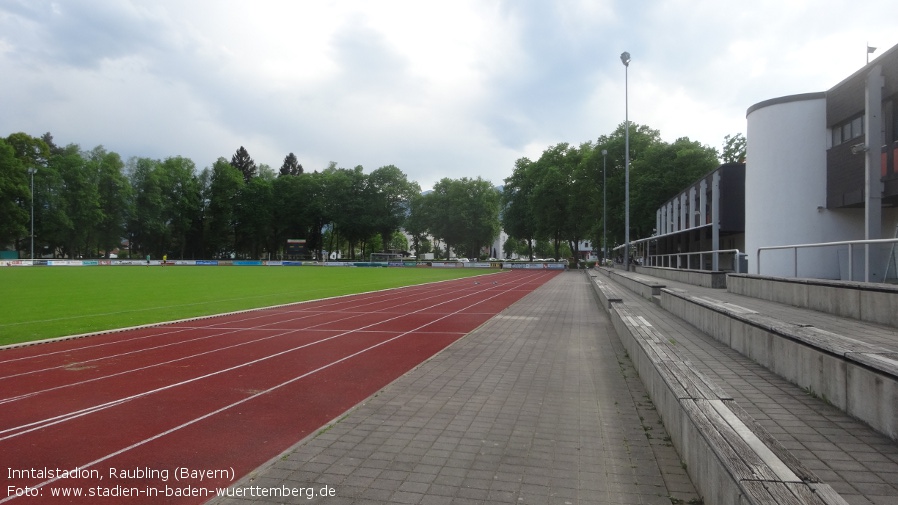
(383, 293)
(411, 297)
(37, 425)
(380, 294)
(246, 399)
(31, 394)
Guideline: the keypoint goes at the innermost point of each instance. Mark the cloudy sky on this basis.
(438, 88)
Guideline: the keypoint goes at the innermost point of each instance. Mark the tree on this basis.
(348, 202)
(517, 204)
(242, 162)
(391, 193)
(14, 194)
(734, 149)
(560, 196)
(147, 229)
(253, 213)
(114, 196)
(224, 190)
(51, 220)
(33, 151)
(463, 213)
(415, 224)
(182, 209)
(661, 172)
(15, 191)
(291, 166)
(80, 198)
(553, 204)
(641, 137)
(53, 149)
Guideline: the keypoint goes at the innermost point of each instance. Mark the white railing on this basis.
(684, 260)
(849, 243)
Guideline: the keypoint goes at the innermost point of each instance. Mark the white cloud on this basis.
(440, 89)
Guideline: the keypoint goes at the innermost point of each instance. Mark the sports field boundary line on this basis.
(249, 477)
(64, 338)
(120, 401)
(261, 393)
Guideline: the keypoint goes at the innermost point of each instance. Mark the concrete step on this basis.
(827, 441)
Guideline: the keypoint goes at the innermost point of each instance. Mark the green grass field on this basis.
(45, 302)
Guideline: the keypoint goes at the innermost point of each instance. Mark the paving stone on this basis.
(538, 406)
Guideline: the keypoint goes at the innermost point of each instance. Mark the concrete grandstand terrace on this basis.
(858, 462)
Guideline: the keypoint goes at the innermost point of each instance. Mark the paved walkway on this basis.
(538, 405)
(858, 462)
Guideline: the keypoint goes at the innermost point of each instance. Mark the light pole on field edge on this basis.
(604, 206)
(625, 59)
(31, 171)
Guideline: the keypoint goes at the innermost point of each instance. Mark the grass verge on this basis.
(46, 302)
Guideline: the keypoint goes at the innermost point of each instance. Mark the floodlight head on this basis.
(625, 58)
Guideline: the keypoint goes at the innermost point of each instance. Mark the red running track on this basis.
(127, 412)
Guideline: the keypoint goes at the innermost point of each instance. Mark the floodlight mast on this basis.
(604, 206)
(625, 59)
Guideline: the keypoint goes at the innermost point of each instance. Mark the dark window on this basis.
(849, 130)
(857, 127)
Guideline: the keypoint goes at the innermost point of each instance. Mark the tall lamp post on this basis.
(625, 59)
(604, 206)
(31, 171)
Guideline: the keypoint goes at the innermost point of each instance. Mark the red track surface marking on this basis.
(222, 394)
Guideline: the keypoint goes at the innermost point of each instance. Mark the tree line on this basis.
(91, 203)
(560, 199)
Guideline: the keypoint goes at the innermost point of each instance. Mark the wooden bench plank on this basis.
(746, 447)
(803, 472)
(726, 454)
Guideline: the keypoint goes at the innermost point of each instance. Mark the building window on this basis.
(857, 127)
(849, 130)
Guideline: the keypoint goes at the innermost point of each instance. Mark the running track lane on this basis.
(222, 394)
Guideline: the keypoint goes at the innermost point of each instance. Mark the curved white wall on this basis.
(785, 183)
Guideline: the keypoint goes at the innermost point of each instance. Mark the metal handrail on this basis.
(700, 254)
(849, 243)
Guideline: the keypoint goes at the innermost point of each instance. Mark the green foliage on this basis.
(398, 242)
(81, 202)
(221, 214)
(391, 193)
(463, 213)
(32, 151)
(15, 193)
(242, 162)
(253, 216)
(559, 197)
(291, 166)
(415, 224)
(734, 149)
(114, 195)
(86, 202)
(517, 204)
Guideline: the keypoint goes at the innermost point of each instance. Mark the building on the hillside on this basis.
(815, 175)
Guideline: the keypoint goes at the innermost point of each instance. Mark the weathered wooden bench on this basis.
(855, 376)
(729, 456)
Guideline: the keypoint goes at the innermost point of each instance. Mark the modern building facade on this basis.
(823, 167)
(709, 215)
